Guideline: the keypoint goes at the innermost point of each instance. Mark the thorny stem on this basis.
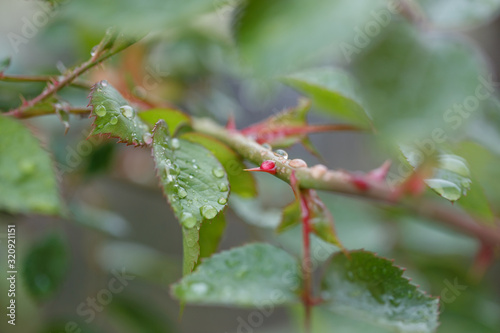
(341, 182)
(307, 295)
(42, 78)
(103, 51)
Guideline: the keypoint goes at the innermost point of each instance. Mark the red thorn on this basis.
(360, 182)
(381, 172)
(266, 166)
(231, 123)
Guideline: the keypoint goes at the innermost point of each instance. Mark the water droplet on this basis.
(93, 51)
(195, 167)
(191, 177)
(104, 83)
(281, 153)
(127, 111)
(113, 120)
(175, 143)
(182, 192)
(222, 201)
(267, 146)
(100, 110)
(208, 211)
(223, 187)
(188, 220)
(148, 139)
(218, 172)
(199, 288)
(297, 163)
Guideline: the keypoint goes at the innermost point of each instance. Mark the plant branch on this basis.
(104, 50)
(342, 182)
(42, 78)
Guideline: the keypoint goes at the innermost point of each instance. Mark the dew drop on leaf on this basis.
(182, 192)
(148, 139)
(188, 220)
(127, 111)
(281, 153)
(100, 110)
(218, 172)
(113, 120)
(199, 288)
(267, 146)
(222, 201)
(175, 143)
(104, 83)
(223, 187)
(208, 211)
(93, 51)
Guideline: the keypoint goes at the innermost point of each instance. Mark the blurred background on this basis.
(118, 218)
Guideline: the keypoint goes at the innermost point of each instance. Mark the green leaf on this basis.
(277, 37)
(190, 248)
(333, 91)
(251, 275)
(242, 183)
(174, 119)
(451, 177)
(211, 232)
(290, 216)
(459, 13)
(4, 64)
(484, 168)
(194, 182)
(115, 117)
(27, 179)
(372, 289)
(45, 266)
(410, 81)
(133, 17)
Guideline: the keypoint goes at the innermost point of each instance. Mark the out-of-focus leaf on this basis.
(411, 83)
(459, 13)
(484, 165)
(173, 118)
(4, 64)
(251, 275)
(139, 260)
(372, 289)
(115, 117)
(45, 266)
(242, 183)
(253, 212)
(27, 179)
(194, 182)
(102, 220)
(451, 176)
(290, 216)
(132, 17)
(142, 316)
(211, 232)
(267, 32)
(289, 127)
(333, 91)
